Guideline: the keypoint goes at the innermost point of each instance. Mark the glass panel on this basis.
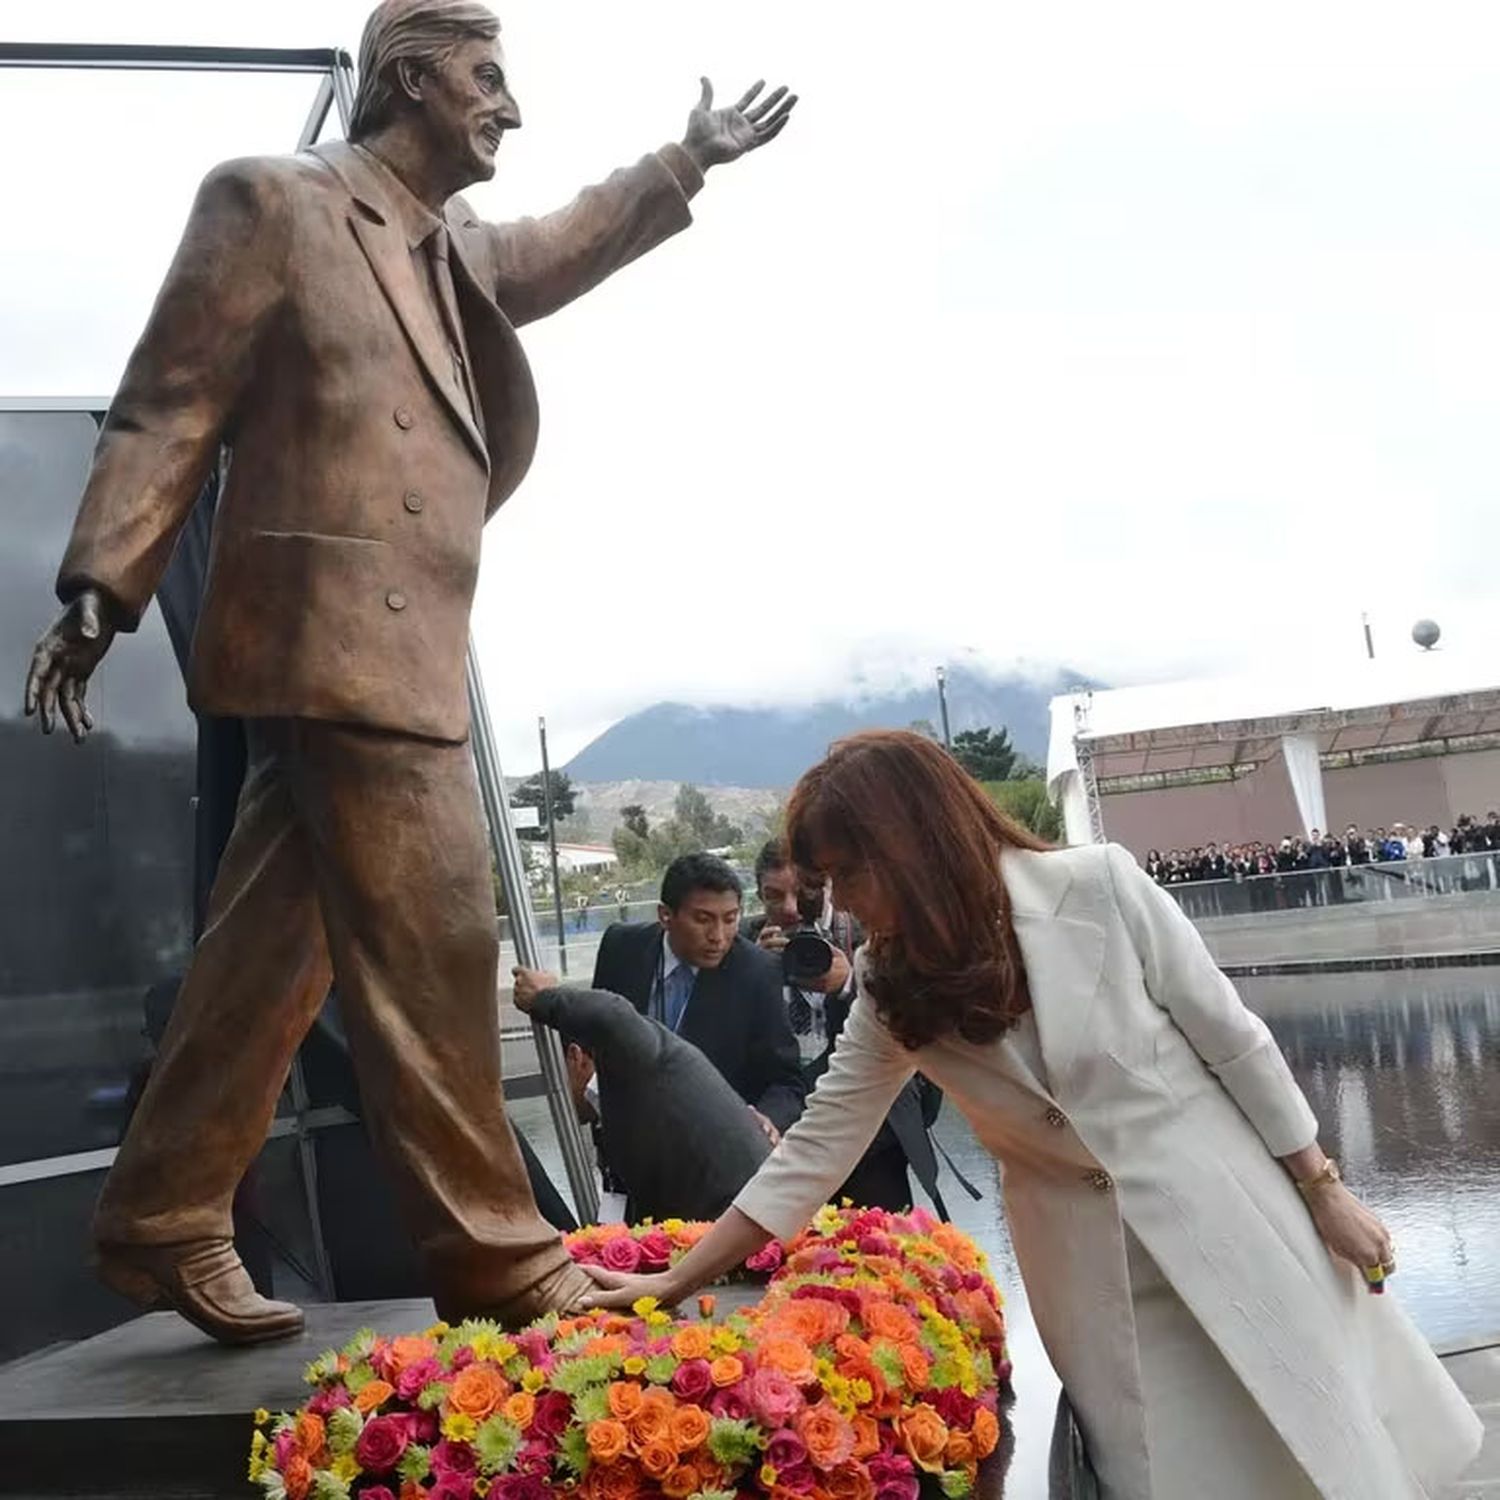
(95, 879)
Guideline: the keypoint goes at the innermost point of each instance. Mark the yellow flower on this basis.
(533, 1380)
(725, 1341)
(634, 1365)
(643, 1307)
(344, 1467)
(827, 1219)
(482, 1486)
(459, 1428)
(261, 1417)
(658, 1319)
(437, 1331)
(767, 1476)
(673, 1226)
(861, 1392)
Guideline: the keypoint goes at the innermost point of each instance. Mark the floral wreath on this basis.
(869, 1370)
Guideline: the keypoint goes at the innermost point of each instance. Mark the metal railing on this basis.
(1349, 885)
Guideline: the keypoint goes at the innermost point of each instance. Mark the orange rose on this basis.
(624, 1399)
(617, 1481)
(411, 1490)
(866, 1437)
(652, 1423)
(957, 1246)
(887, 1321)
(689, 1428)
(977, 1308)
(791, 1356)
(297, 1477)
(725, 1370)
(681, 1482)
(827, 1436)
(925, 1435)
(520, 1408)
(606, 1344)
(310, 1433)
(657, 1459)
(377, 1393)
(986, 1432)
(691, 1342)
(477, 1390)
(850, 1482)
(607, 1440)
(914, 1367)
(409, 1350)
(959, 1450)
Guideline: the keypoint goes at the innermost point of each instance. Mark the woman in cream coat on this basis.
(1212, 1325)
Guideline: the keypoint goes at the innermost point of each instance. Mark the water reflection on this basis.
(1395, 1066)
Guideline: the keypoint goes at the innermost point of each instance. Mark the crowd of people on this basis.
(1332, 851)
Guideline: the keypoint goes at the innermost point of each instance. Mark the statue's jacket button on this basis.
(396, 599)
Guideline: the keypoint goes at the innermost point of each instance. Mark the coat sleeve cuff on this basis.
(1261, 1083)
(682, 167)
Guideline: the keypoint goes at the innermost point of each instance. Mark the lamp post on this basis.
(557, 906)
(942, 679)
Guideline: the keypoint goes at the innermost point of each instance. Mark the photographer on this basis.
(815, 945)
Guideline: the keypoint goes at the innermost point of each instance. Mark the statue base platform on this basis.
(153, 1408)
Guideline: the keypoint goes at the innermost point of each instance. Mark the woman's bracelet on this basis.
(1327, 1174)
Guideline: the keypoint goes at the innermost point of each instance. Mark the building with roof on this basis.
(1411, 738)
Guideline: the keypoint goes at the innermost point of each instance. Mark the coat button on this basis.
(403, 417)
(413, 502)
(1055, 1117)
(1101, 1182)
(396, 599)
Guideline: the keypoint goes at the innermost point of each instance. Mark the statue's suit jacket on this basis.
(291, 328)
(1167, 1105)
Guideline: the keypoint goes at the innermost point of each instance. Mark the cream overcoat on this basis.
(1169, 1103)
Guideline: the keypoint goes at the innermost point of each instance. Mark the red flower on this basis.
(554, 1411)
(621, 1254)
(656, 1249)
(453, 1458)
(767, 1259)
(381, 1444)
(693, 1380)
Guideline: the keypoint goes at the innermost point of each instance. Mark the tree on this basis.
(925, 728)
(1027, 802)
(634, 818)
(531, 793)
(986, 754)
(695, 818)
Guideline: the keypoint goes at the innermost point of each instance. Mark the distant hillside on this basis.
(771, 747)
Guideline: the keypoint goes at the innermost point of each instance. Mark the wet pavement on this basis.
(1401, 1071)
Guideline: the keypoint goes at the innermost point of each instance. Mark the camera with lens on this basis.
(808, 955)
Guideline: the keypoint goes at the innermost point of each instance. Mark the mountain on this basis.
(771, 747)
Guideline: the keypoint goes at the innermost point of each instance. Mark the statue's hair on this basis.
(418, 31)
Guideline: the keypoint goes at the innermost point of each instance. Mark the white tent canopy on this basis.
(1301, 712)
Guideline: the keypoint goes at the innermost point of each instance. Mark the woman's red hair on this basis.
(897, 803)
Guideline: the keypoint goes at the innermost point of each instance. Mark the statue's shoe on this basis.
(204, 1281)
(562, 1291)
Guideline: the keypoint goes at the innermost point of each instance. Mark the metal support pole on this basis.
(1369, 639)
(1083, 753)
(507, 849)
(942, 677)
(557, 906)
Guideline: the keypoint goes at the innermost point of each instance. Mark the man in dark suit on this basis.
(683, 1142)
(693, 972)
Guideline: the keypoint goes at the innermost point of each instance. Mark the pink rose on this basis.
(768, 1258)
(414, 1378)
(453, 1458)
(621, 1254)
(376, 1492)
(733, 1403)
(461, 1360)
(522, 1487)
(955, 1408)
(554, 1410)
(422, 1427)
(894, 1476)
(785, 1451)
(692, 1380)
(773, 1398)
(381, 1444)
(656, 1249)
(329, 1399)
(283, 1448)
(800, 1479)
(452, 1486)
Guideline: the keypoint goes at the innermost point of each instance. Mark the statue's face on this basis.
(467, 107)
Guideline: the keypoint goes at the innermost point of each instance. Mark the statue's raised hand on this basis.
(720, 135)
(63, 661)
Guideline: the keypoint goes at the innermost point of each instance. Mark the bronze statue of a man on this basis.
(346, 326)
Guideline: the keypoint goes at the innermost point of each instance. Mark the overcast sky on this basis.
(1151, 339)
